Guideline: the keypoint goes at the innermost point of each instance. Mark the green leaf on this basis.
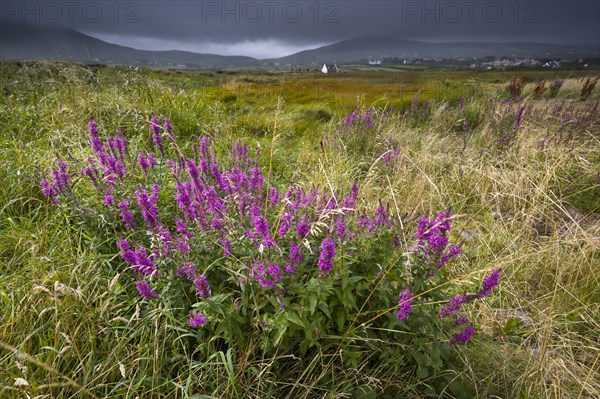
(351, 357)
(340, 319)
(313, 303)
(325, 309)
(355, 279)
(293, 318)
(363, 392)
(281, 330)
(422, 373)
(457, 389)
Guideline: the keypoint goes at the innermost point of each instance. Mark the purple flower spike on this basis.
(327, 255)
(126, 215)
(463, 336)
(145, 291)
(274, 196)
(303, 227)
(169, 128)
(95, 141)
(108, 198)
(453, 306)
(156, 137)
(404, 305)
(143, 162)
(49, 191)
(296, 253)
(197, 320)
(147, 204)
(61, 177)
(489, 283)
(202, 286)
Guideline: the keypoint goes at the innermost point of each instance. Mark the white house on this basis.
(329, 68)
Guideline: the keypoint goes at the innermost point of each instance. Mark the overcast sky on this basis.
(271, 28)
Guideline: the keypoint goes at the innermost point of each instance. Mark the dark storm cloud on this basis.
(280, 26)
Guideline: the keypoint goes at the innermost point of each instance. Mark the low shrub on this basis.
(236, 257)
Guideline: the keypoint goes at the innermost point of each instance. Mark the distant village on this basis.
(487, 63)
(474, 63)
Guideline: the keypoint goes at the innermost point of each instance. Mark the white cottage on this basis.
(329, 68)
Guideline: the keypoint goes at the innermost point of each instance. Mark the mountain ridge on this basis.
(61, 43)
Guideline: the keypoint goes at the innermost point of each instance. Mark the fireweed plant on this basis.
(231, 254)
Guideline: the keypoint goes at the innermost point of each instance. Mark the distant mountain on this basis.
(349, 51)
(56, 43)
(24, 42)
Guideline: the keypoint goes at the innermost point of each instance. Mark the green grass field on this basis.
(526, 202)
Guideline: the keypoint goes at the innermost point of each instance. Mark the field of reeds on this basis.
(308, 236)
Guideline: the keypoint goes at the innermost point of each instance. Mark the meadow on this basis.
(516, 170)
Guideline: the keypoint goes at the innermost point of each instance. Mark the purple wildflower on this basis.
(275, 272)
(303, 227)
(296, 253)
(363, 221)
(184, 199)
(197, 320)
(120, 143)
(349, 202)
(108, 198)
(187, 270)
(256, 179)
(183, 246)
(205, 148)
(284, 225)
(432, 239)
(49, 191)
(182, 228)
(166, 240)
(404, 305)
(453, 306)
(173, 165)
(143, 162)
(169, 128)
(125, 214)
(61, 177)
(381, 218)
(202, 286)
(226, 247)
(489, 283)
(262, 228)
(143, 264)
(91, 172)
(127, 254)
(274, 196)
(519, 117)
(260, 275)
(463, 336)
(289, 268)
(95, 141)
(156, 137)
(327, 254)
(415, 102)
(147, 204)
(340, 228)
(145, 291)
